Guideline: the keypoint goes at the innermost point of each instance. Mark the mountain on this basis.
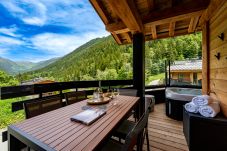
(10, 66)
(43, 64)
(25, 64)
(13, 67)
(103, 59)
(90, 59)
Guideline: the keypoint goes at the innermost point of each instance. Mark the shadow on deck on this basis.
(165, 134)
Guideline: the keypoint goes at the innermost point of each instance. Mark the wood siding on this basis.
(218, 68)
(187, 76)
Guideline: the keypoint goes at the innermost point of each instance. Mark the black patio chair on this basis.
(74, 97)
(131, 138)
(42, 105)
(129, 92)
(124, 129)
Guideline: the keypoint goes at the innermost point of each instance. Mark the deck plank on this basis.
(165, 134)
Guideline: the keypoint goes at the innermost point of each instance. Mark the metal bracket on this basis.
(221, 36)
(218, 55)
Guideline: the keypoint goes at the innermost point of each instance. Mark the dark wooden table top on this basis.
(55, 131)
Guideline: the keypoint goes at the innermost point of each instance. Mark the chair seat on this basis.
(112, 145)
(124, 129)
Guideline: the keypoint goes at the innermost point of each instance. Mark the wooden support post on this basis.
(205, 59)
(139, 76)
(139, 68)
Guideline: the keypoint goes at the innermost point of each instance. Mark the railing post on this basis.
(40, 95)
(169, 73)
(166, 76)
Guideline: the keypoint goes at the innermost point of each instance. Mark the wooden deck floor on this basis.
(165, 134)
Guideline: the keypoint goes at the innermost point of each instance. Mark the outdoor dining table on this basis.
(55, 131)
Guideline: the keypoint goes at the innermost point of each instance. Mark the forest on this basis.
(103, 59)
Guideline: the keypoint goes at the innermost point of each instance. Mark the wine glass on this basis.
(110, 93)
(97, 93)
(116, 92)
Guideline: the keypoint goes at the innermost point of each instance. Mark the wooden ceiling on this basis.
(155, 18)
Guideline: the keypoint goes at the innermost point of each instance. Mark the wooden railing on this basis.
(39, 89)
(26, 90)
(59, 87)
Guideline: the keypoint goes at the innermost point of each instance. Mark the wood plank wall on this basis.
(217, 74)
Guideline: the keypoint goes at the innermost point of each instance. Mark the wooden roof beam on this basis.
(128, 38)
(117, 28)
(127, 12)
(178, 10)
(193, 23)
(171, 28)
(117, 39)
(214, 5)
(150, 4)
(166, 34)
(154, 32)
(99, 10)
(176, 18)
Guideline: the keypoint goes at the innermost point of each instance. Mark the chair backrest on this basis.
(128, 92)
(139, 128)
(43, 105)
(73, 97)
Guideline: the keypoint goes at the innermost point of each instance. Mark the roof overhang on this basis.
(154, 18)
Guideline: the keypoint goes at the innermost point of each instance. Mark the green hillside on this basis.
(10, 66)
(42, 64)
(102, 58)
(13, 68)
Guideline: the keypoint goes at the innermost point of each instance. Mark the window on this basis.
(180, 77)
(194, 78)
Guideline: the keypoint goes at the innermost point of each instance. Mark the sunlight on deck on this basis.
(165, 134)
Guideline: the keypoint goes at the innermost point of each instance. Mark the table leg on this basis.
(14, 144)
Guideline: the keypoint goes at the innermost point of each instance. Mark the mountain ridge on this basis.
(16, 67)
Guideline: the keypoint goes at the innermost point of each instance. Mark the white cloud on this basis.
(13, 7)
(77, 14)
(61, 44)
(31, 12)
(38, 15)
(11, 31)
(10, 41)
(34, 21)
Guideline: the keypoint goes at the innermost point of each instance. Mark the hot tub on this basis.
(176, 98)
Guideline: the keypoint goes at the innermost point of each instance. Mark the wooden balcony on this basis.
(165, 134)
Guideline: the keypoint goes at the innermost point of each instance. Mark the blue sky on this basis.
(35, 30)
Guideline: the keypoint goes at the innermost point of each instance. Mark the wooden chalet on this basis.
(188, 71)
(135, 21)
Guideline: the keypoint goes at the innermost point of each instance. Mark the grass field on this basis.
(8, 117)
